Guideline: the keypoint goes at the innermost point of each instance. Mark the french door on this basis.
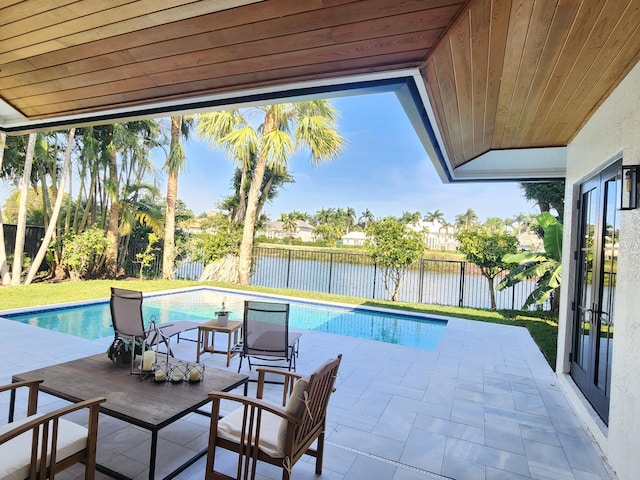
(595, 288)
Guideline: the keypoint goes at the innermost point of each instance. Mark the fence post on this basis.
(330, 271)
(513, 297)
(421, 280)
(461, 292)
(375, 275)
(288, 268)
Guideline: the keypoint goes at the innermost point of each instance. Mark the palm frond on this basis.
(176, 159)
(277, 146)
(241, 144)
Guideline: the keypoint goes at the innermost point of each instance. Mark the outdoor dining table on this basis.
(132, 399)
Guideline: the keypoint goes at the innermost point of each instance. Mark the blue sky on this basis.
(383, 167)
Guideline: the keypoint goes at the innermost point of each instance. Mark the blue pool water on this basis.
(93, 320)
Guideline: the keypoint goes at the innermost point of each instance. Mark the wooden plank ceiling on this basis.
(78, 56)
(499, 74)
(523, 73)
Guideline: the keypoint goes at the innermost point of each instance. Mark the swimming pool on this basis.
(93, 320)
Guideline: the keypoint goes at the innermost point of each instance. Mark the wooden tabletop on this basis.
(144, 403)
(230, 327)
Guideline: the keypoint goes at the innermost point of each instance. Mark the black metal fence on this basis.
(33, 236)
(440, 282)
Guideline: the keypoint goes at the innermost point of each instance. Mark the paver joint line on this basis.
(404, 466)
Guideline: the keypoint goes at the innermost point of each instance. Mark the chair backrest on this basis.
(266, 328)
(316, 400)
(126, 312)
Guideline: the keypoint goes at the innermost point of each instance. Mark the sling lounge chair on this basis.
(261, 431)
(128, 322)
(266, 336)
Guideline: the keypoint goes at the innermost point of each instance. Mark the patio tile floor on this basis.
(483, 405)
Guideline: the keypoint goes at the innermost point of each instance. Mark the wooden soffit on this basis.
(63, 58)
(518, 79)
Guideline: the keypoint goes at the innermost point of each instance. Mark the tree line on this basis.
(89, 226)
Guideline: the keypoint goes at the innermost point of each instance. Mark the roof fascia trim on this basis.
(324, 88)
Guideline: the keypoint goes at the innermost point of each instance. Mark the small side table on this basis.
(204, 345)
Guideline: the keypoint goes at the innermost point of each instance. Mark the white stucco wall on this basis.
(614, 128)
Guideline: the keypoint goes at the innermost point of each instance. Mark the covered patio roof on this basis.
(495, 89)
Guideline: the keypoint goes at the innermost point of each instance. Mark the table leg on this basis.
(228, 349)
(152, 457)
(12, 404)
(198, 343)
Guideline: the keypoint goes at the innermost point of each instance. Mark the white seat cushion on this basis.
(294, 406)
(15, 455)
(230, 428)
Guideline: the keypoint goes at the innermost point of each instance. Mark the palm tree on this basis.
(410, 218)
(521, 219)
(444, 225)
(133, 141)
(366, 217)
(175, 163)
(435, 216)
(324, 215)
(467, 220)
(289, 223)
(56, 210)
(16, 270)
(350, 219)
(5, 277)
(284, 128)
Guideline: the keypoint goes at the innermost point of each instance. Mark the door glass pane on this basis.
(609, 271)
(587, 244)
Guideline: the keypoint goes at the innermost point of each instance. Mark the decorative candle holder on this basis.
(161, 372)
(195, 372)
(178, 372)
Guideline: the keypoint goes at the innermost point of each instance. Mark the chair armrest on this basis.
(34, 388)
(92, 404)
(290, 379)
(14, 385)
(255, 403)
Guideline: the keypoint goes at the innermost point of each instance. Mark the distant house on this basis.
(530, 242)
(436, 236)
(303, 231)
(355, 239)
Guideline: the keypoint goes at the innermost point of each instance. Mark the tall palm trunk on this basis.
(241, 210)
(246, 245)
(16, 271)
(111, 253)
(169, 253)
(42, 173)
(5, 277)
(54, 214)
(263, 197)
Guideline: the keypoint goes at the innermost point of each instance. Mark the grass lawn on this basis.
(542, 325)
